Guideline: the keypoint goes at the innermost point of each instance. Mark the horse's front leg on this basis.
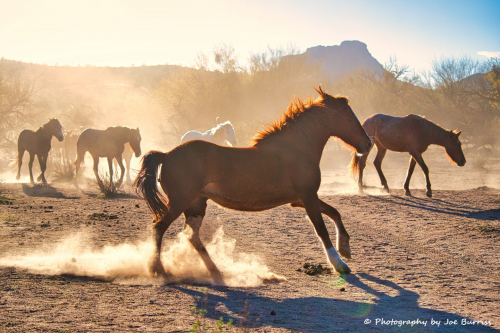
(312, 205)
(425, 169)
(122, 169)
(342, 236)
(411, 168)
(43, 166)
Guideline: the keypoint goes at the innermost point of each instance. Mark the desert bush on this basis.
(62, 171)
(108, 188)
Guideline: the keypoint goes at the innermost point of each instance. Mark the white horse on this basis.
(222, 133)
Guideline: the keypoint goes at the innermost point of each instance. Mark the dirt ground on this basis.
(72, 261)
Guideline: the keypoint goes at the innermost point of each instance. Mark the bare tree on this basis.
(20, 105)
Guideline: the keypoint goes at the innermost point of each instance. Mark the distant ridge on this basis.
(341, 59)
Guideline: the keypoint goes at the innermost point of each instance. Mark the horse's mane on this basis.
(44, 126)
(297, 108)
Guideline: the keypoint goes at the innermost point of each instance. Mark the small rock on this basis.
(342, 289)
(137, 206)
(273, 313)
(73, 260)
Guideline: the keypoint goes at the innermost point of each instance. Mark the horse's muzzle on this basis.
(461, 163)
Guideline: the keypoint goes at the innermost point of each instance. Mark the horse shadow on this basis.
(320, 314)
(451, 208)
(44, 191)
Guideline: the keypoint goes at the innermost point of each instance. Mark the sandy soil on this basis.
(72, 261)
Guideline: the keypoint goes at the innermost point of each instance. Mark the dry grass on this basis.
(106, 187)
(62, 172)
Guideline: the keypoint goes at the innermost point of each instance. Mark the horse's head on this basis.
(229, 136)
(453, 147)
(55, 128)
(344, 124)
(135, 141)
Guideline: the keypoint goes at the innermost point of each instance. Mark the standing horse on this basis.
(412, 134)
(37, 143)
(281, 167)
(219, 135)
(107, 143)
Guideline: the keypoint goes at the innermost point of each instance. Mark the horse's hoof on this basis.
(407, 193)
(218, 280)
(386, 189)
(17, 177)
(156, 269)
(428, 194)
(342, 268)
(345, 251)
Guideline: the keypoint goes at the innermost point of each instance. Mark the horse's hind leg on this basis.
(175, 209)
(378, 165)
(96, 170)
(110, 166)
(194, 218)
(411, 168)
(342, 236)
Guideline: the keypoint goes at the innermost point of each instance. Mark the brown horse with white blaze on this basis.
(412, 134)
(281, 167)
(37, 143)
(107, 143)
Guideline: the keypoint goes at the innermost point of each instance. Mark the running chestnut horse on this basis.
(107, 143)
(281, 167)
(411, 134)
(37, 143)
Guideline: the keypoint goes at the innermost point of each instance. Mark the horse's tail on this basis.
(81, 149)
(354, 165)
(15, 162)
(18, 160)
(146, 187)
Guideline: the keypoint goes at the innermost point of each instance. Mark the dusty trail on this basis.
(415, 260)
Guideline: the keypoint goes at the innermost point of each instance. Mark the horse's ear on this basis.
(458, 133)
(217, 120)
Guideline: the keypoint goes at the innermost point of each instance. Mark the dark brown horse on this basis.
(37, 143)
(107, 143)
(281, 167)
(411, 134)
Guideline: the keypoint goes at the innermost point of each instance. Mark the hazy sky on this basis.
(152, 32)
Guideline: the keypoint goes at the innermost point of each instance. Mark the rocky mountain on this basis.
(341, 59)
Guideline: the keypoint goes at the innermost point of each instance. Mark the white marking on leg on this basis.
(337, 263)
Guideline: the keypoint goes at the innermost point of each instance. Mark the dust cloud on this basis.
(126, 263)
